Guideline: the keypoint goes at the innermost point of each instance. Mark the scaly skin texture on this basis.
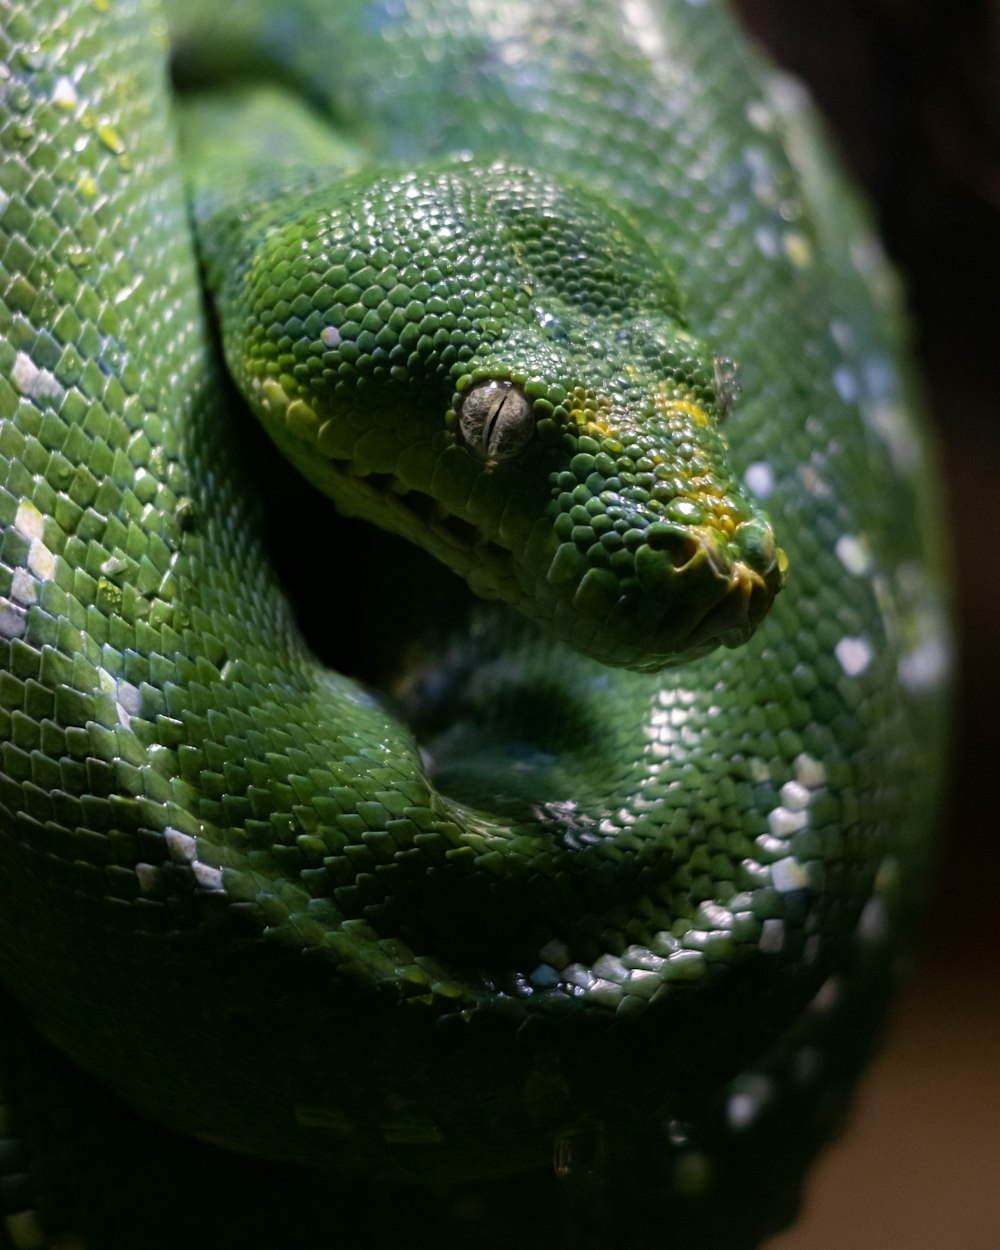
(551, 952)
(579, 452)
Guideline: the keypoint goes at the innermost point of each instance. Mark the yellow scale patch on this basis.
(685, 406)
(590, 411)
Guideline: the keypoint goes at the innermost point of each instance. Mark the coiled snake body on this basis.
(608, 887)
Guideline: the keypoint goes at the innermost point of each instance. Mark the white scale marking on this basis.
(853, 555)
(853, 655)
(759, 479)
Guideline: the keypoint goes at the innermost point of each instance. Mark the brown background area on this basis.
(912, 91)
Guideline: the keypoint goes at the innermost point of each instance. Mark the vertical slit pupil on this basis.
(488, 429)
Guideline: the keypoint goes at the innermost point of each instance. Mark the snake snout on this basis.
(702, 588)
(679, 544)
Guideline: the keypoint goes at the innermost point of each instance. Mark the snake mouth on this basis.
(731, 589)
(716, 593)
(733, 618)
(727, 619)
(486, 564)
(430, 515)
(686, 590)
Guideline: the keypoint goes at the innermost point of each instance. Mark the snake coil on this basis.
(575, 918)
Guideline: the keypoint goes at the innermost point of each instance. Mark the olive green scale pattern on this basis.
(229, 888)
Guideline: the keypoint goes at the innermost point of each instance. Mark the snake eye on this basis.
(496, 421)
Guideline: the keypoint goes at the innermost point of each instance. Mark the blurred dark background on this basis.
(912, 94)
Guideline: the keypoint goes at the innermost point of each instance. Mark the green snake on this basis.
(564, 912)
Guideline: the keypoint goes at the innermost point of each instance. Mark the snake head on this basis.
(495, 364)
